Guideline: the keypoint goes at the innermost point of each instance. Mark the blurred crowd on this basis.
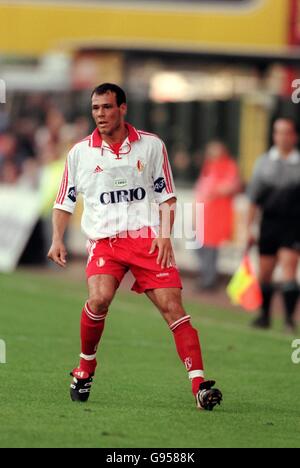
(36, 132)
(34, 137)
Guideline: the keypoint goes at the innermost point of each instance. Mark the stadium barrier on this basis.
(19, 212)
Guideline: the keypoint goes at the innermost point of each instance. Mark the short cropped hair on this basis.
(292, 121)
(110, 87)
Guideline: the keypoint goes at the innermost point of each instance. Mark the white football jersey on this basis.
(121, 191)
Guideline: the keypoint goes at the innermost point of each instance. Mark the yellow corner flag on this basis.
(244, 289)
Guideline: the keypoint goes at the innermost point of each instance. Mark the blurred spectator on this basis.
(181, 166)
(81, 127)
(56, 133)
(39, 135)
(197, 161)
(217, 184)
(9, 173)
(10, 160)
(24, 129)
(4, 120)
(14, 158)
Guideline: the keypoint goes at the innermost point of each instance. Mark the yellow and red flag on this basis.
(244, 288)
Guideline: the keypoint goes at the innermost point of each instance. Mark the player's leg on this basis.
(288, 260)
(102, 289)
(163, 287)
(269, 244)
(169, 303)
(104, 275)
(267, 264)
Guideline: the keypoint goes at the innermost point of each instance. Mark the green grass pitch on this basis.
(141, 396)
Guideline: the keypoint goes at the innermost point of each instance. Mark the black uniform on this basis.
(275, 188)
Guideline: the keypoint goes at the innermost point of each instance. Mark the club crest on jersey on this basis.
(188, 363)
(121, 196)
(140, 166)
(162, 275)
(72, 194)
(159, 185)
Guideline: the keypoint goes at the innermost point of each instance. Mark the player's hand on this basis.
(165, 252)
(58, 253)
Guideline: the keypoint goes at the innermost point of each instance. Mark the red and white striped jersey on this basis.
(122, 188)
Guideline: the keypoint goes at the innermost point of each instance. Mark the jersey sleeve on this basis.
(67, 194)
(163, 183)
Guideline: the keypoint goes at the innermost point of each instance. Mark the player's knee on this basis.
(99, 304)
(173, 310)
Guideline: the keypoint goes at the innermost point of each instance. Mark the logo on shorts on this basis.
(101, 262)
(72, 194)
(159, 185)
(162, 275)
(188, 363)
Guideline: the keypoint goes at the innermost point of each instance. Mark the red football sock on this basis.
(91, 329)
(189, 350)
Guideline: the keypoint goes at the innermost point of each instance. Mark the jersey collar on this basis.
(96, 140)
(293, 157)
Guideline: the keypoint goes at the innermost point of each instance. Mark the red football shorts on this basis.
(130, 251)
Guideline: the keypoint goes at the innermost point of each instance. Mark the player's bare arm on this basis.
(163, 242)
(58, 252)
(252, 215)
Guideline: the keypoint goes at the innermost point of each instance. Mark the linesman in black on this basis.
(274, 191)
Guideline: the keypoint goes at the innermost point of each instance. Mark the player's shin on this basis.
(290, 292)
(267, 292)
(189, 350)
(91, 329)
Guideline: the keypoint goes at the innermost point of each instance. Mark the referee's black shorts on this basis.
(277, 233)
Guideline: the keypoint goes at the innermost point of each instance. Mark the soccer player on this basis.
(127, 186)
(274, 191)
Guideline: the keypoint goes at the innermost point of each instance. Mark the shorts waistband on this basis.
(145, 232)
